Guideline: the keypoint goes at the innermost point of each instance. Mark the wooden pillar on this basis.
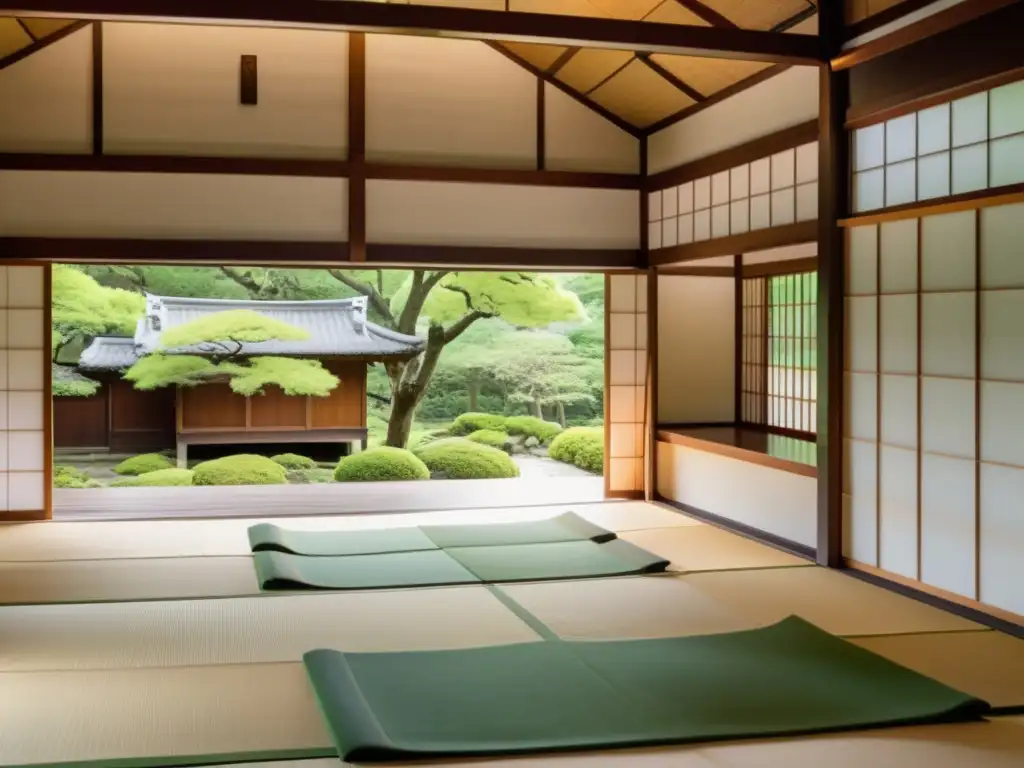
(357, 146)
(833, 194)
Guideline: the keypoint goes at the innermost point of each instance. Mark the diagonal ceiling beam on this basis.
(467, 23)
(563, 58)
(24, 26)
(792, 21)
(711, 16)
(681, 85)
(41, 43)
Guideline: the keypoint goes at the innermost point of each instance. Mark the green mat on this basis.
(788, 679)
(458, 565)
(266, 537)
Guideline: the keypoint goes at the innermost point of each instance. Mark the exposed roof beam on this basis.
(41, 43)
(711, 16)
(645, 36)
(792, 21)
(563, 58)
(609, 76)
(24, 26)
(681, 85)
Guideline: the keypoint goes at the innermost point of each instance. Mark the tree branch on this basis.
(379, 398)
(459, 327)
(377, 300)
(422, 285)
(244, 280)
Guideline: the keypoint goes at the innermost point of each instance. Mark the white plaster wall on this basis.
(447, 213)
(771, 500)
(785, 253)
(785, 100)
(578, 139)
(94, 204)
(696, 354)
(435, 101)
(173, 89)
(46, 99)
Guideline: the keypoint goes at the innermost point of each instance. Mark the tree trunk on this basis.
(409, 382)
(561, 414)
(474, 394)
(403, 408)
(535, 409)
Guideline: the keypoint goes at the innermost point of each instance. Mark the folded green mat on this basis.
(788, 679)
(458, 565)
(266, 537)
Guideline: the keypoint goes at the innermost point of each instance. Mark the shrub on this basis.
(531, 426)
(143, 463)
(468, 423)
(382, 463)
(582, 446)
(492, 437)
(293, 461)
(460, 459)
(160, 477)
(427, 437)
(243, 469)
(70, 477)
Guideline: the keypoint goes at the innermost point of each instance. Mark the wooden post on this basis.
(833, 194)
(357, 146)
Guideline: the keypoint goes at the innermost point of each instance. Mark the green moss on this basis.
(71, 477)
(492, 437)
(468, 423)
(460, 459)
(381, 464)
(310, 476)
(293, 461)
(143, 463)
(243, 469)
(582, 446)
(531, 426)
(160, 477)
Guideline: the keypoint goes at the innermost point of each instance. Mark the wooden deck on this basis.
(325, 499)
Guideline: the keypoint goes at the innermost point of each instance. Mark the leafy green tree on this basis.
(83, 308)
(218, 340)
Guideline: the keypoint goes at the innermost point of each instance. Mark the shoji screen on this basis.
(626, 307)
(24, 340)
(934, 451)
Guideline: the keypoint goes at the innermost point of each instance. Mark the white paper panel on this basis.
(862, 333)
(720, 221)
(622, 330)
(901, 183)
(622, 293)
(970, 168)
(898, 333)
(1006, 107)
(654, 230)
(970, 119)
(740, 217)
(622, 404)
(947, 251)
(1002, 422)
(861, 417)
(1002, 537)
(1007, 161)
(899, 411)
(869, 190)
(720, 188)
(702, 193)
(869, 147)
(901, 138)
(686, 197)
(807, 163)
(947, 334)
(933, 176)
(947, 416)
(654, 206)
(669, 233)
(898, 511)
(861, 535)
(702, 225)
(947, 524)
(807, 201)
(898, 252)
(784, 169)
(1002, 232)
(739, 182)
(685, 229)
(760, 212)
(670, 202)
(622, 368)
(783, 207)
(862, 260)
(1002, 335)
(933, 129)
(760, 176)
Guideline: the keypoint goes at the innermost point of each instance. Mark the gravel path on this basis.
(534, 467)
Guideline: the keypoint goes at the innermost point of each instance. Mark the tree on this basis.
(82, 308)
(219, 339)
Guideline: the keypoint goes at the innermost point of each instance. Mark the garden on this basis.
(508, 381)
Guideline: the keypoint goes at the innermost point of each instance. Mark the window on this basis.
(779, 353)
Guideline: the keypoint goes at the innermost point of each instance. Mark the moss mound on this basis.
(243, 469)
(582, 446)
(468, 423)
(143, 463)
(161, 477)
(492, 437)
(382, 463)
(531, 426)
(72, 477)
(460, 459)
(293, 461)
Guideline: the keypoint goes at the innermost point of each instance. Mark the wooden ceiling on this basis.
(18, 34)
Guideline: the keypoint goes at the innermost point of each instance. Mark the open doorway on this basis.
(355, 384)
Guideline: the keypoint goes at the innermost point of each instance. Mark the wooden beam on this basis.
(651, 401)
(784, 267)
(885, 16)
(563, 58)
(788, 138)
(833, 185)
(965, 201)
(38, 45)
(461, 23)
(520, 258)
(757, 240)
(26, 30)
(797, 18)
(97, 88)
(679, 84)
(541, 125)
(738, 338)
(357, 147)
(711, 16)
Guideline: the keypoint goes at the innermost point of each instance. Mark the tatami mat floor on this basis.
(146, 640)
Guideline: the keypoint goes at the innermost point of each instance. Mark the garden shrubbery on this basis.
(143, 463)
(382, 463)
(531, 426)
(459, 459)
(492, 437)
(70, 477)
(243, 469)
(159, 477)
(468, 423)
(293, 461)
(582, 446)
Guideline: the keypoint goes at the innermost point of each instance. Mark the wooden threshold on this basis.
(735, 444)
(24, 516)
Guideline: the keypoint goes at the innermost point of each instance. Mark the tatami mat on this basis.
(989, 664)
(26, 542)
(252, 630)
(79, 581)
(706, 548)
(54, 717)
(837, 603)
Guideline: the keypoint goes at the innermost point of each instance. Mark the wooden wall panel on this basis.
(346, 405)
(276, 409)
(80, 422)
(140, 420)
(211, 406)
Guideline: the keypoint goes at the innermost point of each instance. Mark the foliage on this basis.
(293, 461)
(294, 377)
(471, 422)
(310, 476)
(531, 426)
(384, 463)
(582, 446)
(160, 477)
(492, 437)
(143, 463)
(153, 371)
(241, 469)
(67, 382)
(427, 436)
(71, 477)
(460, 459)
(83, 308)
